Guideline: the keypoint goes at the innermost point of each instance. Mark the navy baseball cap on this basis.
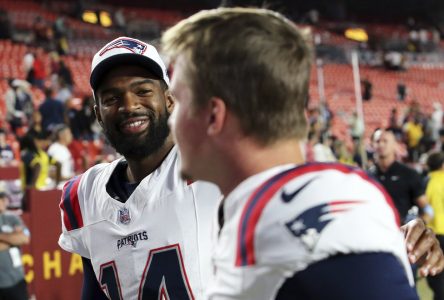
(125, 50)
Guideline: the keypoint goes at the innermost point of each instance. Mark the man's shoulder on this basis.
(303, 187)
(55, 147)
(94, 175)
(404, 168)
(298, 205)
(81, 194)
(102, 167)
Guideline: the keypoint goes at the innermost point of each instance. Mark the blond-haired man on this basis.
(287, 230)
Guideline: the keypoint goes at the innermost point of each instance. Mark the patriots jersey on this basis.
(283, 221)
(153, 246)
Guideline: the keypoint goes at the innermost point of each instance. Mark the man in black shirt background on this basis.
(403, 183)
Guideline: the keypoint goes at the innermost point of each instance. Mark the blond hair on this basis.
(256, 60)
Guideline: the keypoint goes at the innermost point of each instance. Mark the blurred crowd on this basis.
(417, 135)
(52, 139)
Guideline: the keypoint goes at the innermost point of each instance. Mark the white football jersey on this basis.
(156, 244)
(281, 221)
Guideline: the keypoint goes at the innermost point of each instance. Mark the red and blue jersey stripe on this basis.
(72, 216)
(263, 194)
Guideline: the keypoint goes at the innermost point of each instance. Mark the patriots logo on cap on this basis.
(309, 225)
(130, 44)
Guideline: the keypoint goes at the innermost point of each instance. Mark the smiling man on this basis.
(134, 221)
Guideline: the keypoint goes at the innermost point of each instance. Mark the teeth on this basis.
(134, 124)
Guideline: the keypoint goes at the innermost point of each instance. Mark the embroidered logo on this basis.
(130, 44)
(309, 224)
(132, 239)
(287, 197)
(123, 216)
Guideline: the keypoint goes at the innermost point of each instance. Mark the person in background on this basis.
(435, 194)
(439, 145)
(39, 69)
(61, 35)
(323, 149)
(401, 91)
(356, 126)
(414, 131)
(36, 163)
(59, 151)
(436, 120)
(403, 183)
(367, 87)
(81, 119)
(393, 123)
(19, 105)
(43, 34)
(64, 73)
(13, 234)
(52, 111)
(27, 65)
(343, 153)
(6, 153)
(64, 92)
(35, 124)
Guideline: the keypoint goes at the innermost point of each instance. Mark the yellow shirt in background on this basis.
(414, 134)
(45, 161)
(435, 195)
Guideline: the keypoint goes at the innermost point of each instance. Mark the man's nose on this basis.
(129, 102)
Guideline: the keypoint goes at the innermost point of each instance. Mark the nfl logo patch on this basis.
(124, 216)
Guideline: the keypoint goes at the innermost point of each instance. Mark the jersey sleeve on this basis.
(72, 219)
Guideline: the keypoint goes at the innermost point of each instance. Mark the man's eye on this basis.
(110, 100)
(143, 92)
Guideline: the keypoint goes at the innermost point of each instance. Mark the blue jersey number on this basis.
(109, 280)
(164, 277)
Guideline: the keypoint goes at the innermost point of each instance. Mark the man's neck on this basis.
(252, 158)
(138, 169)
(384, 163)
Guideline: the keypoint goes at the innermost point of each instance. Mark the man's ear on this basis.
(217, 116)
(169, 101)
(98, 116)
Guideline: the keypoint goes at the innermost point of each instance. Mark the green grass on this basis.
(423, 289)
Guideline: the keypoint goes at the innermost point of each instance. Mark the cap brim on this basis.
(123, 59)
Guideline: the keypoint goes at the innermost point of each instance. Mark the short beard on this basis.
(136, 148)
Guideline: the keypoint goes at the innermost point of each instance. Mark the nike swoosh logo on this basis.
(288, 197)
